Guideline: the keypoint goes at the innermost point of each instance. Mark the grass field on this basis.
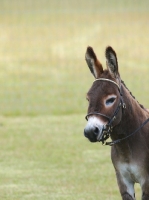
(43, 84)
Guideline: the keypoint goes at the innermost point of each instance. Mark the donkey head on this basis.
(104, 95)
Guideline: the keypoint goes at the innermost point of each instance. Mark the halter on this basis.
(108, 128)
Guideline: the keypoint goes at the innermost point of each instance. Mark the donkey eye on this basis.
(110, 101)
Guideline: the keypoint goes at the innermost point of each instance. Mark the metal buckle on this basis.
(124, 105)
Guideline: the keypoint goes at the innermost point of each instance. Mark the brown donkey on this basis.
(114, 112)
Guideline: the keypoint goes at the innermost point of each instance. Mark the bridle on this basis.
(108, 128)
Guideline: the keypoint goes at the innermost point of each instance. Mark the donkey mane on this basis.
(132, 94)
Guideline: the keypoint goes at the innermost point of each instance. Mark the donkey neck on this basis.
(133, 116)
(134, 110)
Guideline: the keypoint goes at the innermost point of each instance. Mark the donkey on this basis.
(114, 112)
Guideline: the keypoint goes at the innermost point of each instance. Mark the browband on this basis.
(108, 80)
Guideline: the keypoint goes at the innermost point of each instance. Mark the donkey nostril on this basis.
(96, 130)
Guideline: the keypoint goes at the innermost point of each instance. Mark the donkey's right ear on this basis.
(93, 63)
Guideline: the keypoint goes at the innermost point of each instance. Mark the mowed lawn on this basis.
(43, 84)
(47, 158)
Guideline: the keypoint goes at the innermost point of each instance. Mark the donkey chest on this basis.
(131, 172)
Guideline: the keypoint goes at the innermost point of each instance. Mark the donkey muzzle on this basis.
(93, 133)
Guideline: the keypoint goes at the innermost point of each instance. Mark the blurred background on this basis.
(42, 48)
(43, 83)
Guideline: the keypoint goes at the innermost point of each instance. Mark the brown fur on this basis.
(131, 156)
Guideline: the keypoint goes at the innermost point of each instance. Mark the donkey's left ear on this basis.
(111, 60)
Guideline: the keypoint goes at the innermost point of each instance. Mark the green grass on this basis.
(48, 158)
(43, 84)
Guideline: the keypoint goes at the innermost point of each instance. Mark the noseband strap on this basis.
(96, 113)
